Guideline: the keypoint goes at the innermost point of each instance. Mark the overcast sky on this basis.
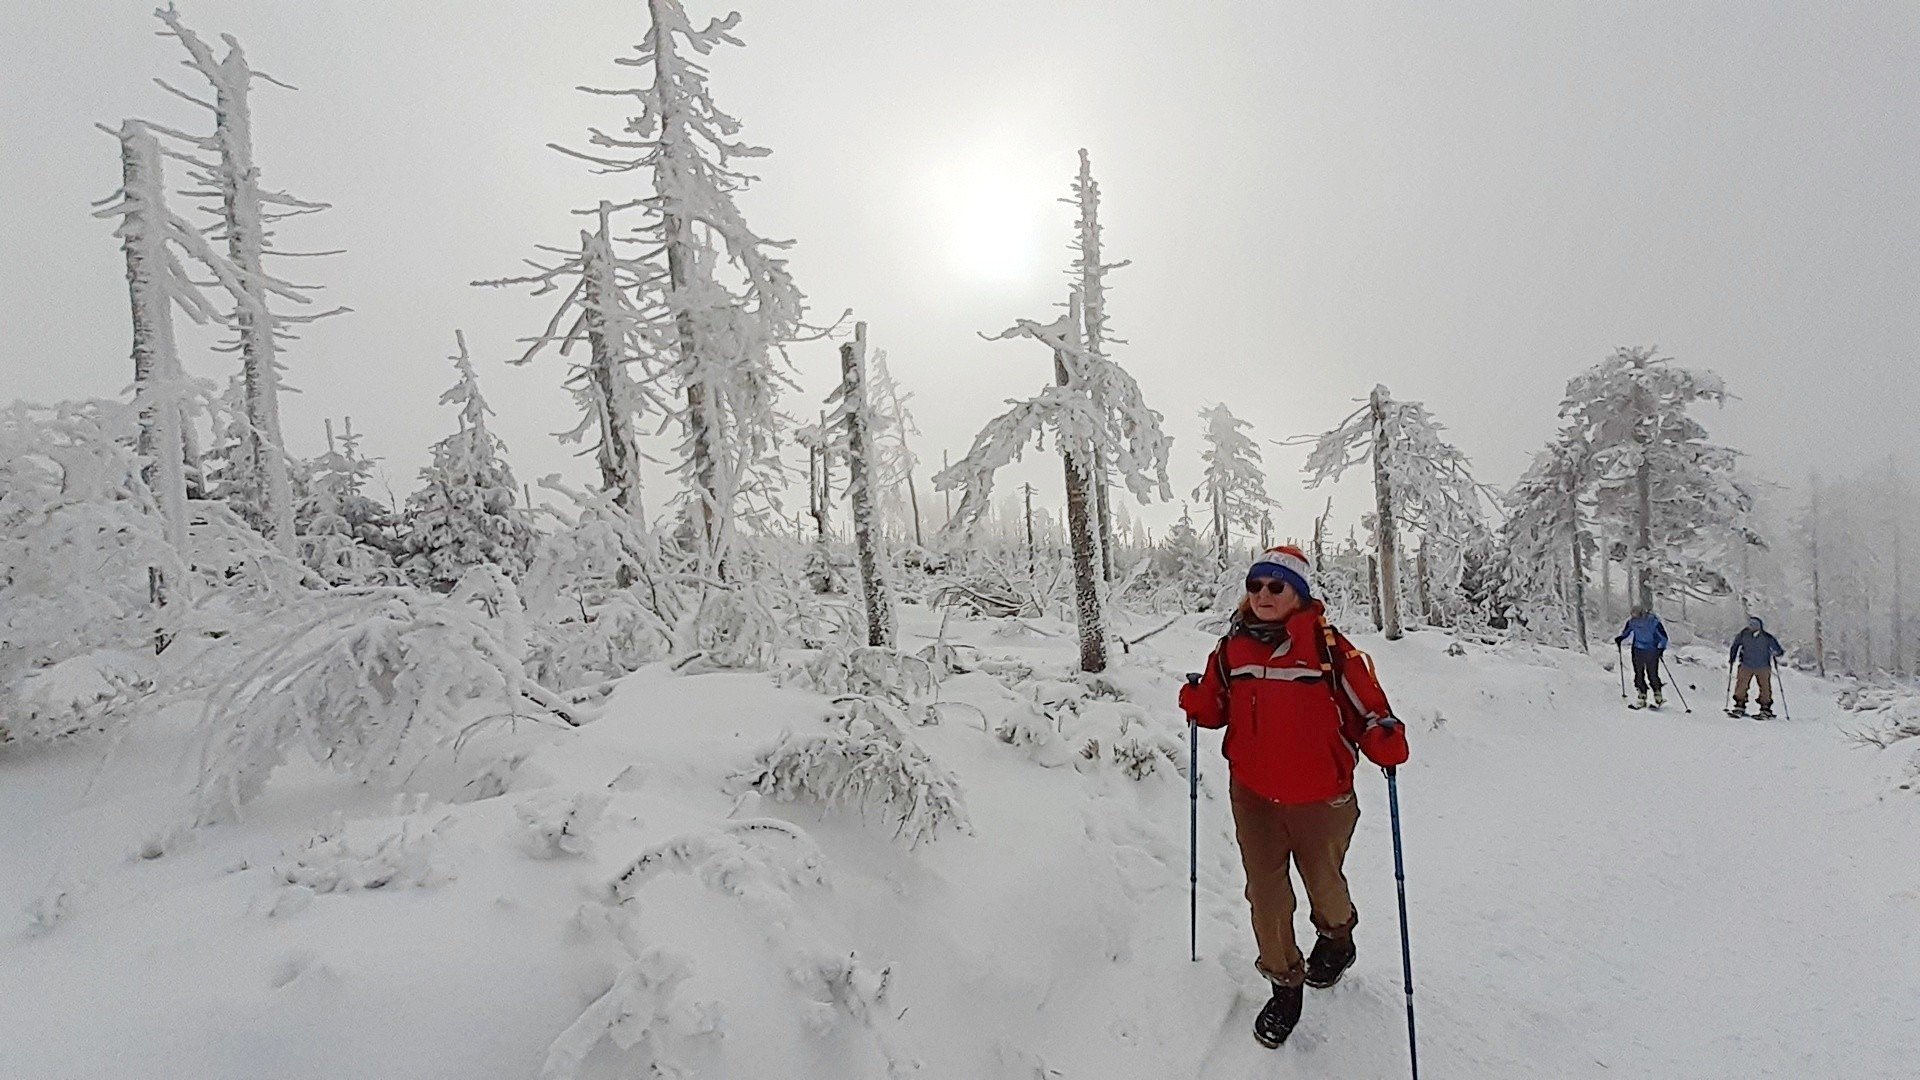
(1466, 201)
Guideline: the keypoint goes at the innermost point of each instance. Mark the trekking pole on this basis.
(1780, 684)
(1675, 683)
(1620, 651)
(1193, 832)
(1726, 699)
(1400, 883)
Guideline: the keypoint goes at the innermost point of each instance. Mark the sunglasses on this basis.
(1272, 585)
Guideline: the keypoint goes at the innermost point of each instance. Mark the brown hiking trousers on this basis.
(1748, 676)
(1312, 836)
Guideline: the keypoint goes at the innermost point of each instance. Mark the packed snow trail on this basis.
(1594, 893)
(1597, 891)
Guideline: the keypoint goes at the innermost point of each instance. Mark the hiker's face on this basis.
(1268, 604)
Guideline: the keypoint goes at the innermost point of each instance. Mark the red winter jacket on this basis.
(1292, 725)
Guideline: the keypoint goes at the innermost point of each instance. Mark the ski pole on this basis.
(1780, 684)
(1620, 651)
(1193, 832)
(1406, 950)
(1675, 683)
(1726, 699)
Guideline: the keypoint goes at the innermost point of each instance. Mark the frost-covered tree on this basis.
(1668, 492)
(1234, 485)
(153, 238)
(1183, 566)
(894, 461)
(728, 307)
(1545, 540)
(1420, 481)
(246, 215)
(605, 296)
(228, 469)
(465, 512)
(1128, 443)
(345, 536)
(1066, 409)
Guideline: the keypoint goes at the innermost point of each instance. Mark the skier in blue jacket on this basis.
(1754, 650)
(1649, 644)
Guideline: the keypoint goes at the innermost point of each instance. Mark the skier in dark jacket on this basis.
(1649, 645)
(1754, 650)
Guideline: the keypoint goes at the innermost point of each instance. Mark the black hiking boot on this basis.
(1330, 959)
(1765, 713)
(1276, 1021)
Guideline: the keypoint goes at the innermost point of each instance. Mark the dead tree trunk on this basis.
(873, 586)
(1074, 458)
(619, 452)
(156, 355)
(1384, 539)
(1373, 591)
(1033, 568)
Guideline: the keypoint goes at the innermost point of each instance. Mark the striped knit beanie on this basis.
(1289, 564)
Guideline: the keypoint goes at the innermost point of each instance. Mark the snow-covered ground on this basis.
(1595, 892)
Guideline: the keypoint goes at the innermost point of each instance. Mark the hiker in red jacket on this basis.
(1296, 699)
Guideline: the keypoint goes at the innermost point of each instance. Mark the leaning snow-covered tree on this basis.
(1066, 409)
(1420, 481)
(246, 215)
(465, 513)
(605, 296)
(1234, 486)
(728, 308)
(1665, 488)
(1544, 538)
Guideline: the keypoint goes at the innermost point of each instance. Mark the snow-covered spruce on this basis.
(466, 511)
(345, 536)
(1546, 543)
(1234, 486)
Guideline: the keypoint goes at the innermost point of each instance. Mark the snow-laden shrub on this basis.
(869, 765)
(402, 854)
(1887, 714)
(766, 867)
(601, 599)
(363, 680)
(748, 858)
(738, 626)
(79, 531)
(646, 1012)
(75, 695)
(584, 646)
(552, 825)
(867, 671)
